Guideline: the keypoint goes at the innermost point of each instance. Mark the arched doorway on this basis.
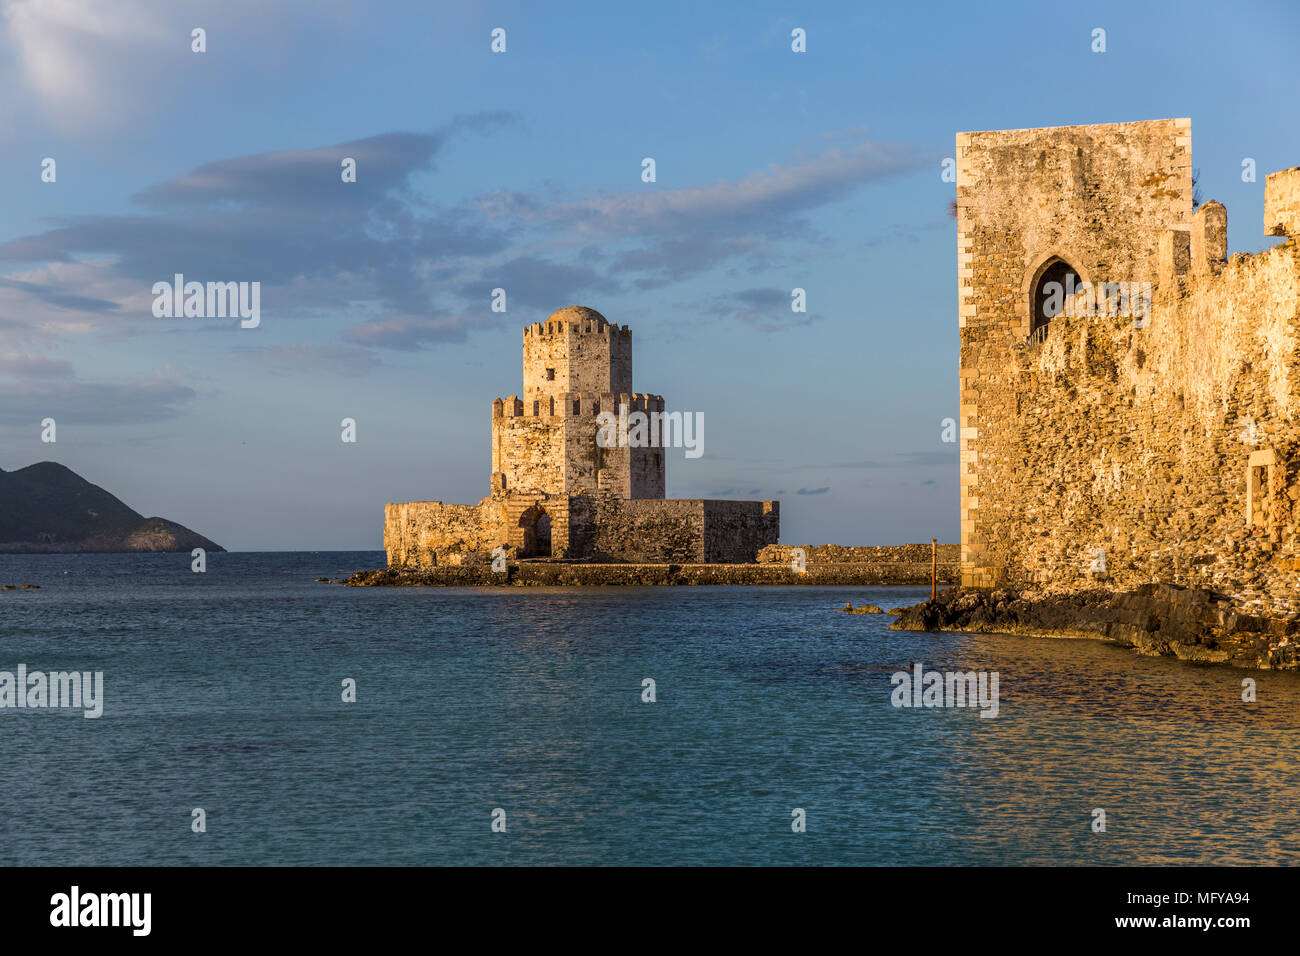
(537, 533)
(1056, 282)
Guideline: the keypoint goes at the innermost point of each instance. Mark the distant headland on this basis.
(47, 508)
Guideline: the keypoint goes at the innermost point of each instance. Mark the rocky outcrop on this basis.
(1158, 619)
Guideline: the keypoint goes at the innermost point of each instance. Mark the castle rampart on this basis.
(1095, 447)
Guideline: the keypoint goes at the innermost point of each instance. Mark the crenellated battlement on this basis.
(575, 405)
(589, 327)
(575, 350)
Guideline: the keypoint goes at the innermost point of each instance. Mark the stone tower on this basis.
(576, 365)
(561, 488)
(1035, 205)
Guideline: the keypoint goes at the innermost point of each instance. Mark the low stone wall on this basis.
(558, 574)
(949, 554)
(423, 534)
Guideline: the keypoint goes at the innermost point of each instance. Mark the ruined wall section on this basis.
(646, 530)
(1122, 452)
(682, 530)
(735, 531)
(1097, 197)
(423, 534)
(1282, 203)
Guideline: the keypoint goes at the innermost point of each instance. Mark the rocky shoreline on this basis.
(1192, 624)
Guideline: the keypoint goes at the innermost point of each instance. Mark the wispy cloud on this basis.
(347, 360)
(414, 271)
(92, 403)
(96, 66)
(766, 309)
(412, 333)
(33, 366)
(760, 199)
(907, 459)
(673, 233)
(284, 219)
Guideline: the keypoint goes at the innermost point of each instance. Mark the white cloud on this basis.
(94, 66)
(780, 189)
(79, 56)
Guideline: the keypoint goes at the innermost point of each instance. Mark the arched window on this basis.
(1057, 280)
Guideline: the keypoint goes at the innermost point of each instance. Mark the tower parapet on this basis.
(576, 350)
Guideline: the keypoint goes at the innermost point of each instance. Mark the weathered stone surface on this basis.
(424, 533)
(1192, 624)
(1118, 451)
(1282, 203)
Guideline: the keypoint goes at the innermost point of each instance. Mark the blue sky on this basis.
(522, 170)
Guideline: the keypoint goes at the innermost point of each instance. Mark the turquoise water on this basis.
(223, 691)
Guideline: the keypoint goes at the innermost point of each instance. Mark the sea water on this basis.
(223, 692)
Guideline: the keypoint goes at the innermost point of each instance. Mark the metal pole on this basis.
(934, 567)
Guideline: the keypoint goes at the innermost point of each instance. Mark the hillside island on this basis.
(47, 508)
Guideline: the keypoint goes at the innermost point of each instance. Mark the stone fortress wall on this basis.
(1125, 449)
